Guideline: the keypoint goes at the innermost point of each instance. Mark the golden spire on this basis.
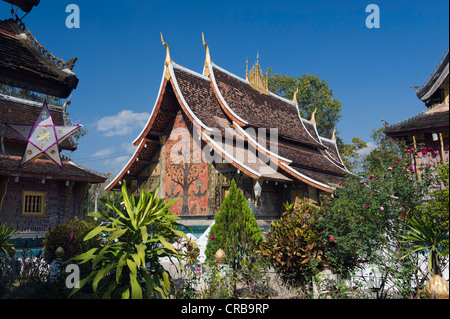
(333, 138)
(313, 117)
(208, 57)
(246, 70)
(168, 59)
(294, 99)
(257, 79)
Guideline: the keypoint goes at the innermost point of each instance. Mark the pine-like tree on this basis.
(235, 230)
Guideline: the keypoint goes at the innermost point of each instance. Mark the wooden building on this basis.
(207, 129)
(38, 194)
(428, 129)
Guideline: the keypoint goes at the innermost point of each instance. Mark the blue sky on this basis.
(121, 59)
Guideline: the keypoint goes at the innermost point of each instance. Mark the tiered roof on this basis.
(25, 63)
(219, 102)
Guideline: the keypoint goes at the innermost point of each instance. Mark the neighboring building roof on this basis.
(45, 168)
(433, 93)
(427, 91)
(218, 102)
(24, 112)
(431, 120)
(25, 63)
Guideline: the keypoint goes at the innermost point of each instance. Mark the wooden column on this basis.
(442, 148)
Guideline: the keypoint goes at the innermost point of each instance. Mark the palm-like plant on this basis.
(125, 262)
(5, 235)
(423, 236)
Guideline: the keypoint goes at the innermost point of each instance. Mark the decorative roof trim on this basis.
(252, 173)
(127, 166)
(228, 110)
(259, 146)
(432, 81)
(29, 38)
(330, 158)
(180, 97)
(156, 107)
(307, 179)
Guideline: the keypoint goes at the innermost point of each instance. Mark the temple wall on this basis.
(55, 190)
(185, 174)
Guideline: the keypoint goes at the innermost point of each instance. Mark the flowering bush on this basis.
(364, 213)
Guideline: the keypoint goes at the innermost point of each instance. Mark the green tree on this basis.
(314, 95)
(235, 230)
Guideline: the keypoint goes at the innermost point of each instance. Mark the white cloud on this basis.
(123, 123)
(104, 152)
(365, 151)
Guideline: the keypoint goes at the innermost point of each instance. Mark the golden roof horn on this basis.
(313, 116)
(168, 59)
(207, 58)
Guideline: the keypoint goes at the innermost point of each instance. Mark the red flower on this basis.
(331, 238)
(367, 206)
(212, 237)
(372, 176)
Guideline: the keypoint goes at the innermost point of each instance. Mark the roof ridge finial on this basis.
(333, 138)
(168, 60)
(207, 58)
(294, 99)
(246, 69)
(313, 118)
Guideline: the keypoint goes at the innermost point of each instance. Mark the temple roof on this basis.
(26, 64)
(218, 102)
(427, 92)
(45, 168)
(24, 112)
(431, 120)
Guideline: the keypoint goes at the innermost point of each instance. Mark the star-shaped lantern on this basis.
(43, 137)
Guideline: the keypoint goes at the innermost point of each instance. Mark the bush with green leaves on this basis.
(68, 236)
(126, 262)
(235, 230)
(6, 247)
(291, 244)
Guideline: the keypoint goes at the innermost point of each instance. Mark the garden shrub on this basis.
(68, 236)
(125, 262)
(235, 230)
(291, 245)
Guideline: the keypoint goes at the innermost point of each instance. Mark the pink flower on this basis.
(367, 206)
(399, 160)
(212, 237)
(372, 176)
(331, 238)
(389, 168)
(340, 183)
(381, 208)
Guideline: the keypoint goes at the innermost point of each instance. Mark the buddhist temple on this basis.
(428, 130)
(208, 128)
(38, 194)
